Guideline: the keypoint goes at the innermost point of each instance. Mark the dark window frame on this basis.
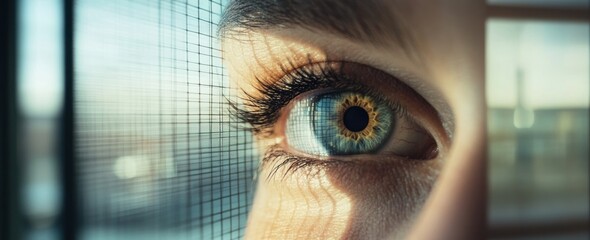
(9, 184)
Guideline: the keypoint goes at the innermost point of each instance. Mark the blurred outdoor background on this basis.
(156, 153)
(538, 82)
(115, 124)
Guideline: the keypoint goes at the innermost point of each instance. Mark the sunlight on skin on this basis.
(289, 208)
(298, 211)
(320, 207)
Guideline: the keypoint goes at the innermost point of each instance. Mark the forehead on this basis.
(412, 26)
(376, 21)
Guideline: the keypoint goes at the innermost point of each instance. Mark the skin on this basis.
(378, 197)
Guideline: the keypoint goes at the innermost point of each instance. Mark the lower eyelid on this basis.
(279, 164)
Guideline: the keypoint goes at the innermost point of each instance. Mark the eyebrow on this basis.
(364, 21)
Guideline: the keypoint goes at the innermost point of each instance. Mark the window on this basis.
(158, 156)
(537, 92)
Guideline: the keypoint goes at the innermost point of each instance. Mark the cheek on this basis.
(386, 197)
(298, 208)
(369, 200)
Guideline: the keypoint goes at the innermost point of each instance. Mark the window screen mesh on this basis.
(158, 156)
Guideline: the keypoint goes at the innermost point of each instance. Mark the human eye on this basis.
(333, 113)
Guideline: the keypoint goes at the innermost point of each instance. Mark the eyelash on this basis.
(261, 113)
(280, 159)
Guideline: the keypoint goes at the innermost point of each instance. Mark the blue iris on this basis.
(340, 123)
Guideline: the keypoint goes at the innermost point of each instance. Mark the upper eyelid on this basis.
(262, 111)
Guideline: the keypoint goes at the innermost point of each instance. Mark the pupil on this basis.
(356, 118)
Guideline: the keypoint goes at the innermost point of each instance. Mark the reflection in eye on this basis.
(338, 124)
(329, 111)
